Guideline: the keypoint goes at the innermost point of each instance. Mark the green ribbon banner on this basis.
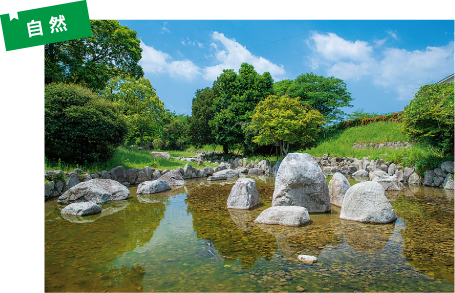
(46, 25)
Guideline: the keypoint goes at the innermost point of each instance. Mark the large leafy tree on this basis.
(202, 112)
(138, 101)
(284, 121)
(112, 50)
(236, 95)
(429, 116)
(79, 126)
(325, 94)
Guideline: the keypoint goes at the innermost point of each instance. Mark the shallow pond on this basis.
(186, 240)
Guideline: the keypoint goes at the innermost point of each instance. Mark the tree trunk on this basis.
(225, 149)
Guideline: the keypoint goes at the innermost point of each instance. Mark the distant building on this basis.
(447, 79)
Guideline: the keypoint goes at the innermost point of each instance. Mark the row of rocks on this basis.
(380, 145)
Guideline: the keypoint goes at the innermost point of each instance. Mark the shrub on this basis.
(80, 127)
(429, 116)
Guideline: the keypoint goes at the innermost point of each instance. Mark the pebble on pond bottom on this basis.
(308, 259)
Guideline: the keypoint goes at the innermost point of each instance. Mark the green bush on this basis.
(80, 127)
(429, 116)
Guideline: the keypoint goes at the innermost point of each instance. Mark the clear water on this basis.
(186, 240)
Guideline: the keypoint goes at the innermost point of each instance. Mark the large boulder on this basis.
(361, 173)
(367, 202)
(284, 216)
(73, 180)
(216, 177)
(428, 179)
(338, 186)
(255, 171)
(173, 178)
(244, 195)
(118, 174)
(96, 190)
(161, 155)
(300, 182)
(131, 176)
(447, 167)
(377, 173)
(448, 182)
(81, 209)
(209, 170)
(415, 179)
(229, 173)
(389, 183)
(189, 172)
(407, 173)
(154, 186)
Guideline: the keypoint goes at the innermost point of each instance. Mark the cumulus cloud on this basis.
(155, 61)
(394, 69)
(233, 54)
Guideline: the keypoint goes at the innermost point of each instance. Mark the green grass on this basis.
(423, 157)
(129, 158)
(206, 148)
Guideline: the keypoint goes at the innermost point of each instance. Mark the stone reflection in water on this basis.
(107, 209)
(242, 219)
(428, 237)
(80, 256)
(309, 239)
(212, 222)
(366, 238)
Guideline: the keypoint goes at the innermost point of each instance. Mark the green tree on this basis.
(284, 121)
(202, 112)
(236, 95)
(80, 127)
(429, 116)
(325, 94)
(175, 132)
(112, 50)
(137, 99)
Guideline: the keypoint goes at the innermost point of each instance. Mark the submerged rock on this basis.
(244, 195)
(284, 216)
(96, 190)
(300, 182)
(367, 202)
(338, 186)
(81, 209)
(308, 259)
(155, 186)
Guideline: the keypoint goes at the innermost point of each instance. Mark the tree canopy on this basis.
(137, 100)
(284, 121)
(429, 116)
(112, 50)
(202, 112)
(325, 94)
(236, 95)
(79, 126)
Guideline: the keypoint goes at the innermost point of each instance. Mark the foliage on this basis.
(112, 50)
(236, 95)
(175, 132)
(80, 127)
(429, 116)
(138, 101)
(325, 94)
(283, 121)
(361, 114)
(202, 112)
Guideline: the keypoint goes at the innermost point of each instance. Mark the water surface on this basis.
(186, 240)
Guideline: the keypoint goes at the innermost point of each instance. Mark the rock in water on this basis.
(389, 183)
(96, 190)
(366, 202)
(244, 195)
(300, 182)
(284, 216)
(155, 186)
(229, 173)
(338, 186)
(81, 209)
(173, 178)
(308, 259)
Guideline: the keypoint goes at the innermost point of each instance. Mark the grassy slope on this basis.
(129, 158)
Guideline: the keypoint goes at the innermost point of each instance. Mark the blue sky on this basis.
(383, 62)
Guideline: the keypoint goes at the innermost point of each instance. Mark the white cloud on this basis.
(233, 55)
(393, 69)
(393, 35)
(155, 61)
(164, 28)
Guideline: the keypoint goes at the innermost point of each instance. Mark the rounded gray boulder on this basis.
(284, 216)
(81, 209)
(95, 190)
(367, 202)
(338, 186)
(244, 195)
(300, 182)
(155, 186)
